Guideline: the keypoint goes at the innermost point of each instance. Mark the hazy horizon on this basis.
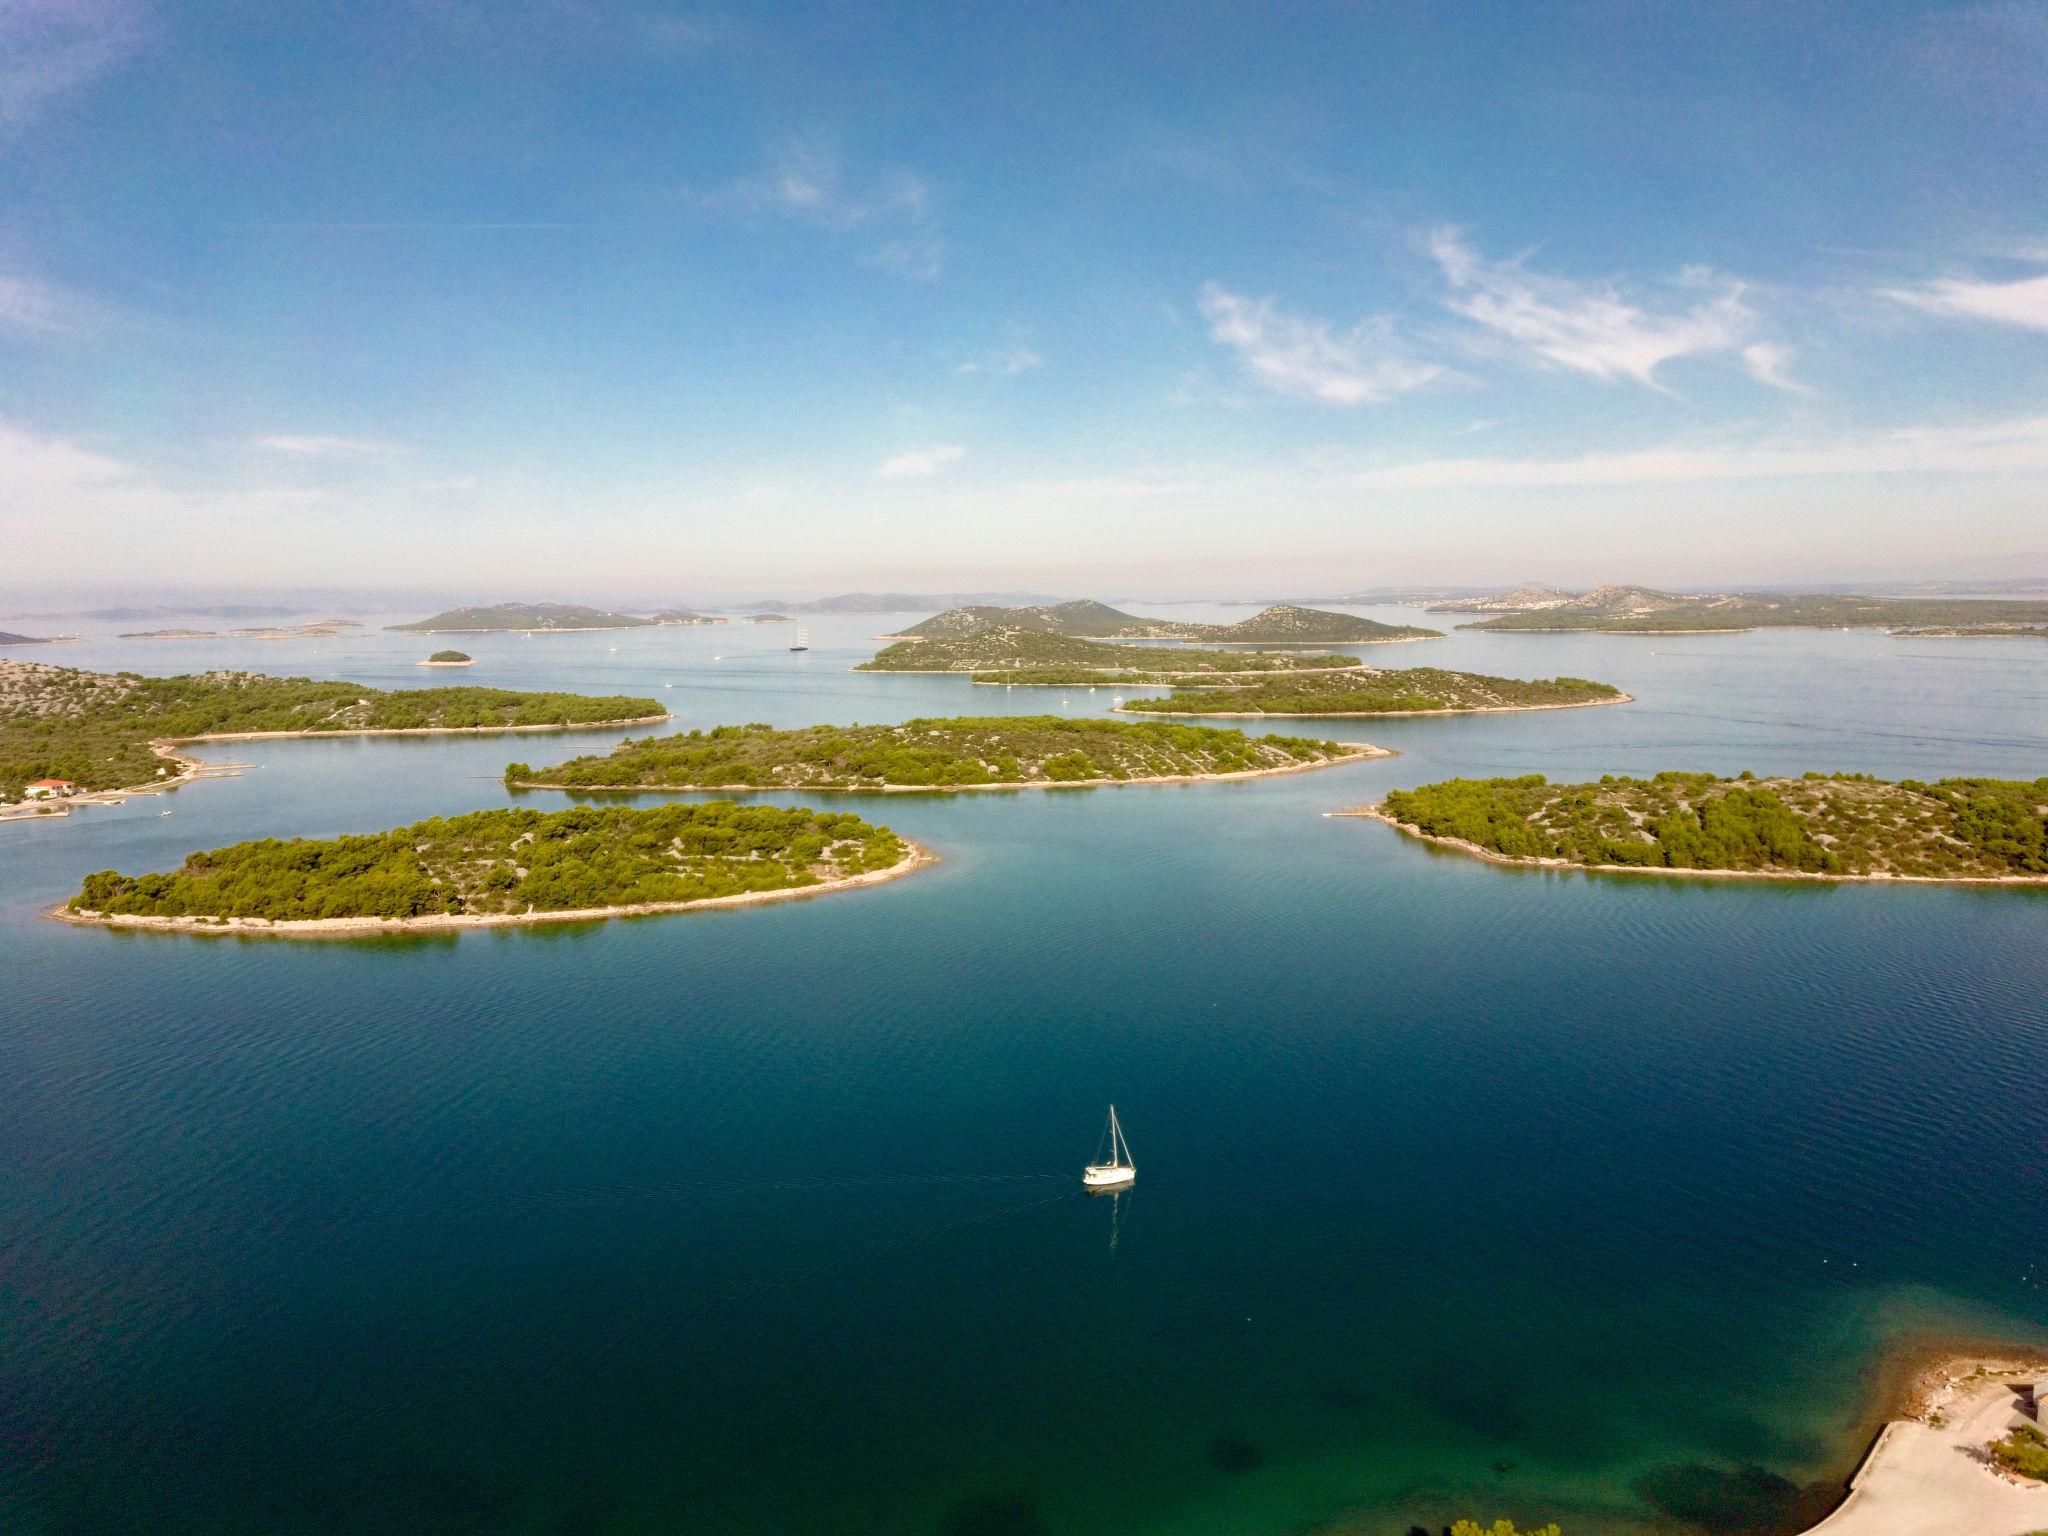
(580, 297)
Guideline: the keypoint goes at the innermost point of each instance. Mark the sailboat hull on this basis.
(1107, 1176)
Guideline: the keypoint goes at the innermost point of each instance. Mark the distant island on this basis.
(113, 733)
(505, 866)
(2015, 631)
(170, 634)
(896, 602)
(449, 659)
(999, 653)
(768, 618)
(1365, 691)
(683, 616)
(533, 618)
(1644, 610)
(1835, 827)
(1281, 624)
(974, 752)
(7, 638)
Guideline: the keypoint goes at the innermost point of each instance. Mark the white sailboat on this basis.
(1119, 1169)
(803, 639)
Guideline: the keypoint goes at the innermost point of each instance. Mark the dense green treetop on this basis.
(930, 754)
(1844, 824)
(510, 861)
(1001, 647)
(450, 656)
(510, 616)
(95, 728)
(1364, 691)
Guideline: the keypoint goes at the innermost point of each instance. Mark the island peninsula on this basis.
(104, 735)
(973, 752)
(1369, 691)
(505, 866)
(1647, 611)
(523, 618)
(1836, 827)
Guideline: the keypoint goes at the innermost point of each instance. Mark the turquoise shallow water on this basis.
(1463, 1189)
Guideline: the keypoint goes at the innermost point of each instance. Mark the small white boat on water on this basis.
(1119, 1169)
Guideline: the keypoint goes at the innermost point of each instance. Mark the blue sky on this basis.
(574, 296)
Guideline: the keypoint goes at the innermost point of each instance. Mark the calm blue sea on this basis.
(1463, 1190)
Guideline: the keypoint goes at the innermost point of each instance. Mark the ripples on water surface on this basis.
(1464, 1189)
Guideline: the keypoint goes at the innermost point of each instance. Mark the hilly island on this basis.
(1839, 826)
(1282, 624)
(975, 752)
(104, 731)
(505, 866)
(528, 618)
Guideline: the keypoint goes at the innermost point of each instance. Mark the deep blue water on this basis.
(1464, 1190)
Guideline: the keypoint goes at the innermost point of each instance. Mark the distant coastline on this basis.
(915, 858)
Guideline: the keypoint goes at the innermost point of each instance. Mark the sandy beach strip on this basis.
(1473, 850)
(915, 858)
(1363, 751)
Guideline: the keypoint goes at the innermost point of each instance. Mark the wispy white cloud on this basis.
(2022, 303)
(49, 48)
(1004, 362)
(308, 446)
(808, 184)
(1589, 328)
(920, 463)
(1293, 355)
(2001, 447)
(1770, 363)
(32, 309)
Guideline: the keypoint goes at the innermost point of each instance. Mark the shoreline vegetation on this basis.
(1366, 692)
(1007, 653)
(491, 868)
(111, 735)
(1844, 827)
(933, 755)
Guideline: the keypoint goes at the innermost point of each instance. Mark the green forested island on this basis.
(1844, 825)
(96, 728)
(1644, 610)
(1366, 691)
(535, 617)
(449, 659)
(975, 751)
(508, 865)
(1004, 653)
(1282, 624)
